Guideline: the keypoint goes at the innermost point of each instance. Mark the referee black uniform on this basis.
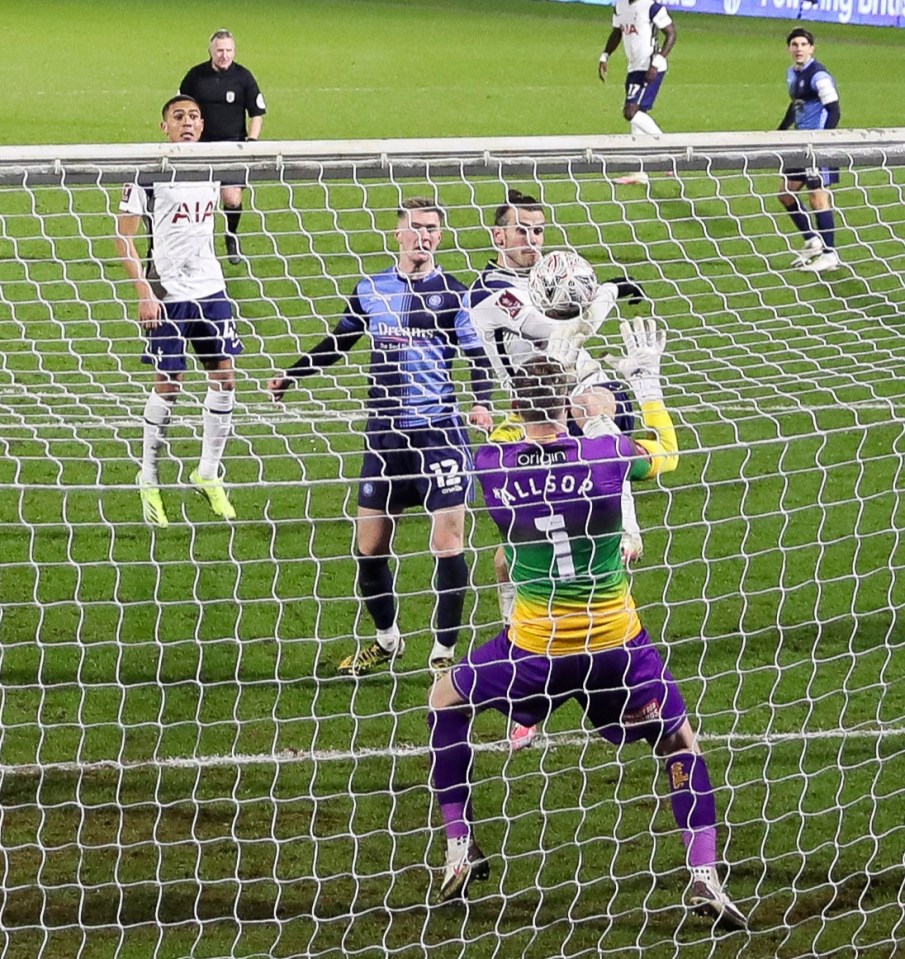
(225, 97)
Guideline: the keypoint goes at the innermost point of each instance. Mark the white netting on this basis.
(182, 770)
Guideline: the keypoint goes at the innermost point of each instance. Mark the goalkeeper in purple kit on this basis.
(575, 632)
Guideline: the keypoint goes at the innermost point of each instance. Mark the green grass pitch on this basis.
(774, 557)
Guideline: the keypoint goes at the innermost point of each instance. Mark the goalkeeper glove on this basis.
(644, 348)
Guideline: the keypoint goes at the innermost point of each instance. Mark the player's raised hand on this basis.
(277, 387)
(645, 345)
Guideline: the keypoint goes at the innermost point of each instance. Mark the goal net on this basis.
(183, 772)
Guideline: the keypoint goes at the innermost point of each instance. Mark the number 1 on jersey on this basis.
(555, 528)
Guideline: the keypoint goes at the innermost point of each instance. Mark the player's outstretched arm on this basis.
(329, 351)
(645, 345)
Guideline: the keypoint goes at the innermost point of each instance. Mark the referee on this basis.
(226, 91)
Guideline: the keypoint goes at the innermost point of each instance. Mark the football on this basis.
(562, 284)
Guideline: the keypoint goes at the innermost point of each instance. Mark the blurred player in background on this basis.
(575, 633)
(639, 24)
(181, 300)
(416, 447)
(226, 91)
(814, 106)
(512, 329)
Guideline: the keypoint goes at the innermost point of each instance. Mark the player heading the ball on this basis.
(575, 633)
(181, 300)
(814, 106)
(416, 448)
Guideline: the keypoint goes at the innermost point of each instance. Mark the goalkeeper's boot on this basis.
(812, 248)
(368, 658)
(520, 737)
(213, 491)
(708, 898)
(461, 870)
(152, 505)
(825, 263)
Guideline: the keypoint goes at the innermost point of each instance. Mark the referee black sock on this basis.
(233, 215)
(450, 582)
(375, 581)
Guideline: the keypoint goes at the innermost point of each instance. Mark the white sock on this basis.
(217, 419)
(456, 848)
(158, 411)
(506, 597)
(440, 651)
(644, 124)
(389, 639)
(706, 874)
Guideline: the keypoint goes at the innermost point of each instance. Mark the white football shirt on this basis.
(182, 219)
(640, 22)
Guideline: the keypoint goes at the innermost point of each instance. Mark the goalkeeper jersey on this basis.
(558, 508)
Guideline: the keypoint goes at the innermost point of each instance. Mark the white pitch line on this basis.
(411, 751)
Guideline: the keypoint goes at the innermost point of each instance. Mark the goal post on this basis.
(182, 771)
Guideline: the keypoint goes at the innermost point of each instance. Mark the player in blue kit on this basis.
(181, 301)
(416, 447)
(814, 106)
(638, 23)
(575, 633)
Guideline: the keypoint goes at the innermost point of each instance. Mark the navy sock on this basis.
(450, 583)
(800, 219)
(375, 581)
(826, 224)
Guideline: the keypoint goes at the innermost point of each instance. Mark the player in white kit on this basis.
(639, 23)
(512, 329)
(181, 300)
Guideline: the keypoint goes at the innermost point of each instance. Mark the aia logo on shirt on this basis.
(193, 213)
(631, 28)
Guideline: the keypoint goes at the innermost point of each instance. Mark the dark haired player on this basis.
(575, 633)
(814, 106)
(416, 447)
(512, 329)
(181, 300)
(638, 24)
(227, 91)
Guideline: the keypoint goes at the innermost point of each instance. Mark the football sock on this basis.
(506, 596)
(693, 806)
(450, 582)
(826, 224)
(233, 215)
(800, 219)
(375, 581)
(217, 419)
(451, 759)
(644, 124)
(158, 410)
